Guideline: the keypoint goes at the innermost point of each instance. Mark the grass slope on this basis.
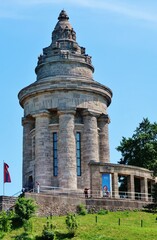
(112, 226)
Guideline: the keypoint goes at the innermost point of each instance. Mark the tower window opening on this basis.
(55, 157)
(78, 153)
(33, 147)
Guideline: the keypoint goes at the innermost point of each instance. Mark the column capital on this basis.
(67, 111)
(27, 120)
(89, 112)
(104, 118)
(44, 113)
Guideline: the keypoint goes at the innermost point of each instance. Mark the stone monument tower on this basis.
(65, 122)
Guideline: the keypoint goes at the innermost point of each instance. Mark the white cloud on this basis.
(29, 2)
(128, 10)
(134, 10)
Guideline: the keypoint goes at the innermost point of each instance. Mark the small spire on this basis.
(63, 16)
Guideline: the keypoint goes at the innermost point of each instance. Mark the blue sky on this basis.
(121, 37)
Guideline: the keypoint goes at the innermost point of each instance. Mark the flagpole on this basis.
(3, 181)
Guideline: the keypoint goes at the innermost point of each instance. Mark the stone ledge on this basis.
(62, 85)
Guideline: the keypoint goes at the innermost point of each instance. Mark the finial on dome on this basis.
(63, 16)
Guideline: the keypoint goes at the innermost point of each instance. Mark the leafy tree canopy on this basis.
(141, 149)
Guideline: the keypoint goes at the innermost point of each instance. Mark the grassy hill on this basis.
(111, 226)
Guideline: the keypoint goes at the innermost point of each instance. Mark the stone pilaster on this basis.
(27, 124)
(67, 150)
(104, 152)
(115, 185)
(90, 143)
(131, 186)
(43, 161)
(144, 189)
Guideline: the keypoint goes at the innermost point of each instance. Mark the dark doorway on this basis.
(123, 186)
(137, 188)
(30, 183)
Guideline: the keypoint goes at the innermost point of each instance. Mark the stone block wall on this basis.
(56, 205)
(7, 202)
(94, 205)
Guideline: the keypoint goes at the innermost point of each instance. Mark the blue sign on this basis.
(106, 185)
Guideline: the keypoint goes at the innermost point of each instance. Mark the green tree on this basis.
(25, 208)
(5, 221)
(81, 209)
(71, 223)
(49, 230)
(141, 149)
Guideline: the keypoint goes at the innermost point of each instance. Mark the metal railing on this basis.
(97, 194)
(79, 193)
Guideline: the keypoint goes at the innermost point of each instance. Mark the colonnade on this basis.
(131, 194)
(94, 146)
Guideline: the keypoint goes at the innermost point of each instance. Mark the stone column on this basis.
(131, 187)
(27, 124)
(104, 152)
(67, 150)
(115, 185)
(144, 189)
(150, 187)
(90, 144)
(43, 162)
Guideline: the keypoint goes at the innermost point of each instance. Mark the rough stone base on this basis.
(94, 205)
(63, 204)
(55, 205)
(7, 202)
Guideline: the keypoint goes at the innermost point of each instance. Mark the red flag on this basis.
(6, 174)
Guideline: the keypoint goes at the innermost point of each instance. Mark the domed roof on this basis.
(64, 56)
(63, 29)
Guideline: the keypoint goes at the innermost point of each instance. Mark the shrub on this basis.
(71, 223)
(48, 235)
(102, 212)
(27, 226)
(126, 213)
(24, 236)
(5, 221)
(92, 210)
(152, 208)
(48, 231)
(25, 208)
(154, 193)
(81, 210)
(2, 235)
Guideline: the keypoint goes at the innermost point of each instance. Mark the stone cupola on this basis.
(64, 56)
